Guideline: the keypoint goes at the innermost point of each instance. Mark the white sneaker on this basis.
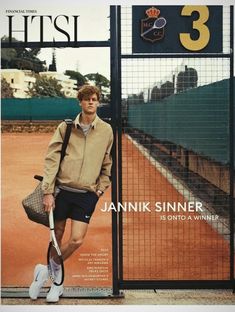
(54, 293)
(40, 277)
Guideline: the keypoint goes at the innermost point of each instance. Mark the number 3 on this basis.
(199, 24)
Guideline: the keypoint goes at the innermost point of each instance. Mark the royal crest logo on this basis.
(152, 28)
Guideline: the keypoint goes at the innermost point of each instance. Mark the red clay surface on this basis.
(165, 250)
(152, 248)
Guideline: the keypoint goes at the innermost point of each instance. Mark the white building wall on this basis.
(69, 86)
(20, 81)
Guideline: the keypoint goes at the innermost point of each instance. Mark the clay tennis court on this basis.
(183, 248)
(152, 249)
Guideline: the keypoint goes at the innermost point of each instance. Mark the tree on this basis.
(99, 80)
(46, 87)
(52, 66)
(167, 88)
(21, 58)
(81, 80)
(155, 94)
(141, 96)
(6, 90)
(133, 99)
(191, 77)
(7, 55)
(187, 79)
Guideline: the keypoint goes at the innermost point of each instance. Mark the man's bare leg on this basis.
(77, 235)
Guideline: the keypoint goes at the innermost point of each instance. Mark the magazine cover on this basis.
(117, 155)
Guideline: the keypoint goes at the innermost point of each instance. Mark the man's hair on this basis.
(86, 91)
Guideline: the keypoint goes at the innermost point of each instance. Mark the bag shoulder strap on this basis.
(69, 123)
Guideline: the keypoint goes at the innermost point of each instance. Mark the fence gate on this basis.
(175, 160)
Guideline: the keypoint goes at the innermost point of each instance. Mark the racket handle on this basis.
(51, 219)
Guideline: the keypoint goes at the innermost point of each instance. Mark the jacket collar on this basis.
(93, 124)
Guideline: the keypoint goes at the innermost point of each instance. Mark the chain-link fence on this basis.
(175, 219)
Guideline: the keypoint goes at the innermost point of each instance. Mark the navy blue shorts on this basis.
(76, 206)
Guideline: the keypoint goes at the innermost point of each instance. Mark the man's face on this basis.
(89, 104)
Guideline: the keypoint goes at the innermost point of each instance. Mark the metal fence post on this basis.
(231, 132)
(115, 102)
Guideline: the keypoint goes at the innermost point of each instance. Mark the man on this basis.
(81, 178)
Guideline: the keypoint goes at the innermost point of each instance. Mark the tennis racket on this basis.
(158, 24)
(55, 262)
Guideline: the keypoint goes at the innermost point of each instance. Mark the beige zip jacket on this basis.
(87, 162)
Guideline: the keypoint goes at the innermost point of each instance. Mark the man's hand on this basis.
(48, 202)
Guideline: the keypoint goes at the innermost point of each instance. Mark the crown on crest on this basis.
(152, 12)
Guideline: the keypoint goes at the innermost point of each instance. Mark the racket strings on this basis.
(55, 266)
